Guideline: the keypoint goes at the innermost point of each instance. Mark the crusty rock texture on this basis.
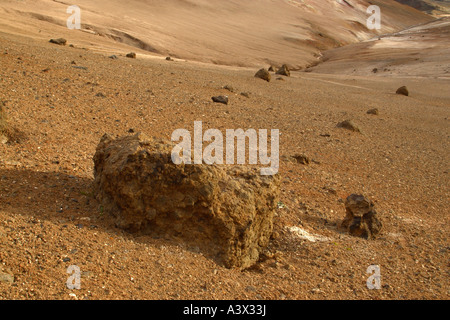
(361, 219)
(226, 211)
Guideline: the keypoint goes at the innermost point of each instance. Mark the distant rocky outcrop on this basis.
(361, 219)
(225, 211)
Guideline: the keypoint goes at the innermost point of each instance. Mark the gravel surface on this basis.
(62, 100)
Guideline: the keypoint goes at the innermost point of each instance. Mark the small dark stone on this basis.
(66, 260)
(403, 91)
(263, 74)
(131, 55)
(373, 111)
(284, 71)
(349, 125)
(59, 41)
(114, 57)
(80, 67)
(229, 88)
(220, 99)
(301, 158)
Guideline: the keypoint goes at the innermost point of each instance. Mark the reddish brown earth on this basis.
(61, 100)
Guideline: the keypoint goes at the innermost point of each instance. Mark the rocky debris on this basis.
(375, 70)
(361, 219)
(284, 71)
(220, 99)
(297, 158)
(245, 94)
(229, 88)
(131, 55)
(271, 69)
(403, 91)
(263, 74)
(59, 41)
(114, 57)
(280, 78)
(349, 125)
(301, 158)
(373, 111)
(6, 276)
(80, 67)
(169, 59)
(4, 131)
(226, 211)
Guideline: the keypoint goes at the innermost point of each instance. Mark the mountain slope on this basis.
(433, 7)
(241, 33)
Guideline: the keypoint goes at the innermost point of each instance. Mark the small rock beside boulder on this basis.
(361, 219)
(403, 91)
(263, 74)
(131, 55)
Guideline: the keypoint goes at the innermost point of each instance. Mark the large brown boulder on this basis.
(361, 219)
(225, 211)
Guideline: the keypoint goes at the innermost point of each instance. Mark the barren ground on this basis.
(63, 99)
